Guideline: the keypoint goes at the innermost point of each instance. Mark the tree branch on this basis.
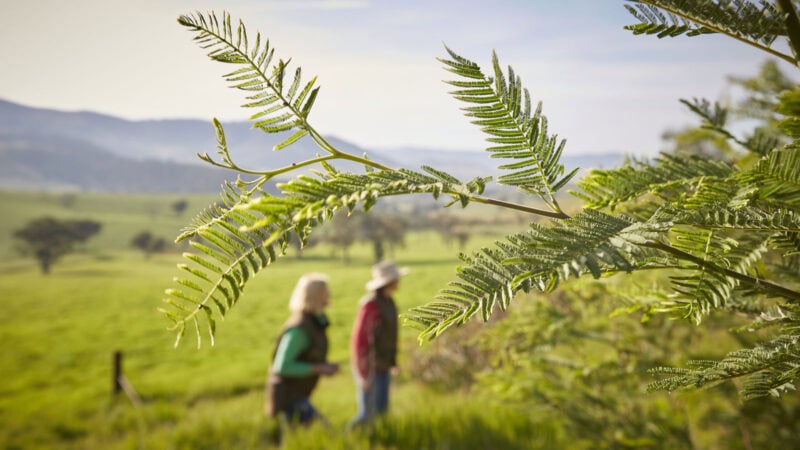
(515, 206)
(756, 282)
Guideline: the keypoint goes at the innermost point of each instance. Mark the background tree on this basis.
(381, 230)
(148, 243)
(718, 232)
(761, 96)
(575, 356)
(450, 229)
(299, 246)
(756, 107)
(340, 234)
(67, 199)
(48, 239)
(179, 206)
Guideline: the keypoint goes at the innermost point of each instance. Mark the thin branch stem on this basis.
(476, 198)
(325, 145)
(272, 173)
(755, 282)
(517, 207)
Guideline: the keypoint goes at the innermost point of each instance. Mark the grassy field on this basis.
(122, 216)
(58, 334)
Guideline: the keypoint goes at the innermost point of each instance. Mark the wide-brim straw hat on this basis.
(384, 273)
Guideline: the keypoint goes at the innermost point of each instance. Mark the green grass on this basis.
(58, 334)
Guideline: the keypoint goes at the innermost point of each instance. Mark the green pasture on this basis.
(122, 216)
(58, 333)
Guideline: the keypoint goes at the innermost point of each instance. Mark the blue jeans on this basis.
(375, 400)
(302, 411)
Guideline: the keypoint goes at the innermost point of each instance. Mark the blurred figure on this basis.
(300, 356)
(373, 344)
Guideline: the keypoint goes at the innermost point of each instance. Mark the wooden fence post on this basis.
(117, 373)
(121, 383)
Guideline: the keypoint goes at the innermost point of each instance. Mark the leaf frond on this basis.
(769, 369)
(760, 22)
(281, 104)
(777, 177)
(501, 108)
(590, 243)
(609, 188)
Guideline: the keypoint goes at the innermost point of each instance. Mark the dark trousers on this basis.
(300, 411)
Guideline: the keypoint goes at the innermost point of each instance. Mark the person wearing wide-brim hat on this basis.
(373, 344)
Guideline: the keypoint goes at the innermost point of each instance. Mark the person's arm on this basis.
(292, 344)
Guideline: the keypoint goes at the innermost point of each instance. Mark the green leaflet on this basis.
(608, 188)
(503, 111)
(777, 355)
(291, 139)
(592, 242)
(759, 22)
(283, 106)
(777, 177)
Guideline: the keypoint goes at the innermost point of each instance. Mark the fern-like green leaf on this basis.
(751, 218)
(759, 22)
(653, 21)
(282, 105)
(769, 369)
(502, 108)
(608, 188)
(715, 119)
(777, 177)
(592, 242)
(707, 288)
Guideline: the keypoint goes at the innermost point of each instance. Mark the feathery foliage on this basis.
(757, 23)
(501, 106)
(664, 177)
(719, 230)
(771, 369)
(238, 239)
(283, 102)
(235, 239)
(542, 257)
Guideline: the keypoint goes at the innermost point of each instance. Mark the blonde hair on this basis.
(307, 294)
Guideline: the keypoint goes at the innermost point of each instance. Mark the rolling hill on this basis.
(44, 149)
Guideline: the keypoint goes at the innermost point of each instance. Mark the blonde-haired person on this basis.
(300, 356)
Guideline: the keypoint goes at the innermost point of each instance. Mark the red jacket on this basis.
(373, 344)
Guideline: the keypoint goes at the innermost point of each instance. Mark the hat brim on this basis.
(378, 283)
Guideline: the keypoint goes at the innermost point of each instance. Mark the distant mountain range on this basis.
(43, 149)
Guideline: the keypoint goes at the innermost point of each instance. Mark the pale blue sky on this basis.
(603, 88)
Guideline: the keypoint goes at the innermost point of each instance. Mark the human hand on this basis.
(394, 370)
(327, 369)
